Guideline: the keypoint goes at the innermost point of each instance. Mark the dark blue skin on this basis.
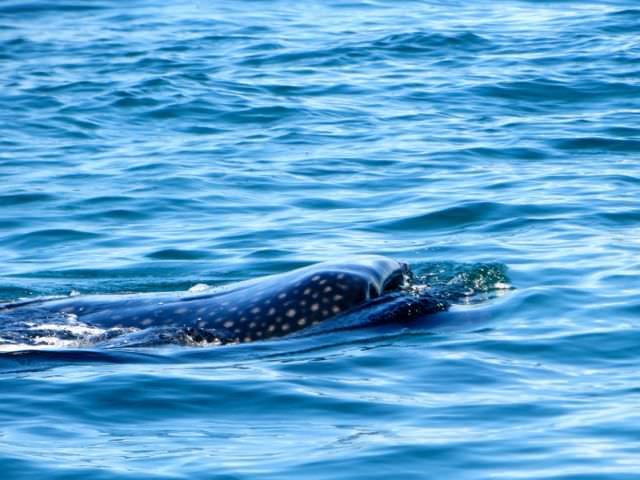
(257, 309)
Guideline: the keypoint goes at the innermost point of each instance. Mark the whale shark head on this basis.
(284, 303)
(364, 277)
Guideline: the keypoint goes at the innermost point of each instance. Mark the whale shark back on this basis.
(268, 307)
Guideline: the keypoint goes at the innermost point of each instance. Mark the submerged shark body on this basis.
(273, 306)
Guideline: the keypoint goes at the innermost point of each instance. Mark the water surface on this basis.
(159, 146)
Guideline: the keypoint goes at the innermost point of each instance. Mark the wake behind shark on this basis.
(372, 288)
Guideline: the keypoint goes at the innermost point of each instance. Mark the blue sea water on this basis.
(152, 146)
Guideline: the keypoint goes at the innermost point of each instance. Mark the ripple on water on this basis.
(37, 238)
(602, 144)
(178, 254)
(472, 214)
(25, 198)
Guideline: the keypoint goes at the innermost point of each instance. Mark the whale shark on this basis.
(373, 288)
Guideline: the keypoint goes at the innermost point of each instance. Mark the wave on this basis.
(49, 236)
(603, 144)
(467, 215)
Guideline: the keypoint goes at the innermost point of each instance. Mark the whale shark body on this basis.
(372, 288)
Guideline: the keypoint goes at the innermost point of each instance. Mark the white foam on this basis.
(55, 342)
(199, 287)
(77, 330)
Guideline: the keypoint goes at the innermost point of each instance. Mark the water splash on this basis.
(462, 283)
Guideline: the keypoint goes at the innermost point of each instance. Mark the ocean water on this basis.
(153, 146)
